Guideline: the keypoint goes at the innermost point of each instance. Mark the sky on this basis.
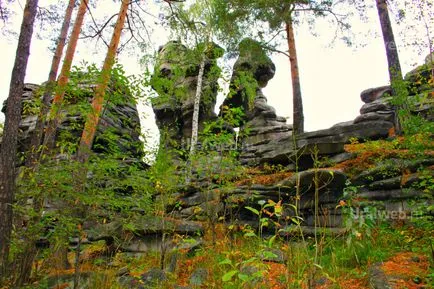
(332, 77)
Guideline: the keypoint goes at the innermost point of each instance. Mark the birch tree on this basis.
(9, 143)
(195, 22)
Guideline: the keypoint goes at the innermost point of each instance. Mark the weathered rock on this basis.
(328, 184)
(326, 142)
(380, 104)
(175, 80)
(342, 157)
(372, 94)
(377, 278)
(375, 116)
(154, 277)
(119, 125)
(263, 123)
(152, 225)
(198, 277)
(389, 169)
(393, 194)
(254, 69)
(418, 79)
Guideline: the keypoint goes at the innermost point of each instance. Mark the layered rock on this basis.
(118, 129)
(175, 80)
(260, 124)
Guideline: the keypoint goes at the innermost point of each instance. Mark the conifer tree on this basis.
(9, 143)
(39, 129)
(54, 117)
(92, 120)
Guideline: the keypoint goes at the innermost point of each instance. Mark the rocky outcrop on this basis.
(175, 80)
(251, 72)
(372, 94)
(260, 123)
(118, 130)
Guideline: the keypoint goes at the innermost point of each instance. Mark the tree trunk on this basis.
(8, 149)
(54, 118)
(196, 107)
(92, 120)
(298, 117)
(39, 129)
(395, 72)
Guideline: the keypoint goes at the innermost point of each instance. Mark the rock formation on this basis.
(260, 124)
(175, 80)
(118, 129)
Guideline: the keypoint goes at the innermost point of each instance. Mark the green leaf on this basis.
(243, 277)
(226, 261)
(252, 210)
(249, 234)
(228, 276)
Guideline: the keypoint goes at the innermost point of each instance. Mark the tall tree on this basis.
(298, 115)
(39, 129)
(10, 134)
(54, 117)
(275, 14)
(394, 65)
(92, 120)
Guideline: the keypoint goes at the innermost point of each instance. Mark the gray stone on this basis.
(377, 105)
(325, 179)
(375, 115)
(418, 79)
(175, 81)
(342, 157)
(281, 150)
(153, 224)
(389, 169)
(372, 94)
(120, 119)
(153, 277)
(377, 278)
(260, 122)
(198, 277)
(395, 194)
(147, 243)
(387, 184)
(198, 197)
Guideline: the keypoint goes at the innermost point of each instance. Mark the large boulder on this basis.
(175, 80)
(372, 94)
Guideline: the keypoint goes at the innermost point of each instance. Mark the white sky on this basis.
(331, 78)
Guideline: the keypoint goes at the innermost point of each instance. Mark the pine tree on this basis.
(39, 129)
(92, 120)
(9, 143)
(54, 117)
